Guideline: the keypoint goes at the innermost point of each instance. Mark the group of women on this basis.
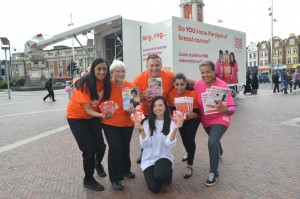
(157, 130)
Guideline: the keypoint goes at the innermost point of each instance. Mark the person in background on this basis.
(234, 68)
(49, 87)
(284, 81)
(158, 138)
(247, 87)
(296, 79)
(216, 124)
(254, 83)
(275, 79)
(83, 117)
(290, 79)
(118, 129)
(219, 64)
(189, 129)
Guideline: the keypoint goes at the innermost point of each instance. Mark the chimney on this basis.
(192, 9)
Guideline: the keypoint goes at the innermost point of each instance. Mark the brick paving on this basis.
(261, 154)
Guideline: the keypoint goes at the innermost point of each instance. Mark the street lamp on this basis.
(271, 56)
(73, 60)
(5, 45)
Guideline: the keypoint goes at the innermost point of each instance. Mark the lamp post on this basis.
(5, 45)
(73, 53)
(271, 47)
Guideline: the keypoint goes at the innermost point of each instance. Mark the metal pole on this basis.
(7, 76)
(271, 63)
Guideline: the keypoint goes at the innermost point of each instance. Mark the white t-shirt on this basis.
(158, 145)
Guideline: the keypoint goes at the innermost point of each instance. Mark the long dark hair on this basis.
(152, 117)
(231, 63)
(90, 80)
(183, 77)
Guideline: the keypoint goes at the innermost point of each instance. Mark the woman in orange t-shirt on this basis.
(83, 117)
(118, 129)
(192, 121)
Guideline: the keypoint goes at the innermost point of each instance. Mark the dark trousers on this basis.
(50, 94)
(158, 174)
(276, 87)
(118, 139)
(188, 132)
(215, 133)
(88, 135)
(297, 82)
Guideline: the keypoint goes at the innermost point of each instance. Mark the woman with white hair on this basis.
(118, 129)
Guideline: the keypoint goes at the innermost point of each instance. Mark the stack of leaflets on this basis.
(131, 95)
(155, 86)
(178, 115)
(212, 97)
(137, 117)
(108, 106)
(184, 104)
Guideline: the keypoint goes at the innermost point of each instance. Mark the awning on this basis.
(263, 68)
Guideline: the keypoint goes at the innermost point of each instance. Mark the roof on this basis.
(38, 43)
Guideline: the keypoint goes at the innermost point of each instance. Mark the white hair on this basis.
(117, 64)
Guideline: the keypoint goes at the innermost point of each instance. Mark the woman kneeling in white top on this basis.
(157, 138)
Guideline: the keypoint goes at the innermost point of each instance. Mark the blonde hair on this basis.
(117, 64)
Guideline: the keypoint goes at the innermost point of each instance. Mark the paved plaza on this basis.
(39, 157)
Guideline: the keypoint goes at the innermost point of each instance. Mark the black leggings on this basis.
(118, 139)
(88, 135)
(188, 132)
(157, 174)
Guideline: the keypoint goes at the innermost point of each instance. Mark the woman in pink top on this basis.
(215, 124)
(234, 69)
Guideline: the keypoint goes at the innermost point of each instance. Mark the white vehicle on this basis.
(181, 43)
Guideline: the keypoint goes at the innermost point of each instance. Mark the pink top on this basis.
(218, 66)
(234, 79)
(217, 118)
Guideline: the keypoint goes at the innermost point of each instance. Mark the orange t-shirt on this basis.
(187, 93)
(76, 108)
(141, 81)
(121, 118)
(227, 72)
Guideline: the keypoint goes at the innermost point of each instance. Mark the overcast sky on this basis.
(21, 20)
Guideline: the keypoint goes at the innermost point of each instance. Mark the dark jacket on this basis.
(254, 82)
(275, 78)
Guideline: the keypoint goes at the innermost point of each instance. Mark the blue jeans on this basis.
(215, 133)
(284, 86)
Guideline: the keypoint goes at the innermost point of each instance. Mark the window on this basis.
(288, 51)
(294, 60)
(276, 44)
(254, 55)
(279, 62)
(261, 54)
(250, 64)
(291, 42)
(254, 63)
(250, 56)
(295, 50)
(265, 63)
(279, 52)
(289, 61)
(261, 62)
(274, 52)
(263, 46)
(274, 62)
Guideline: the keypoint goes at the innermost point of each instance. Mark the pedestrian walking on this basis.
(296, 79)
(49, 87)
(275, 79)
